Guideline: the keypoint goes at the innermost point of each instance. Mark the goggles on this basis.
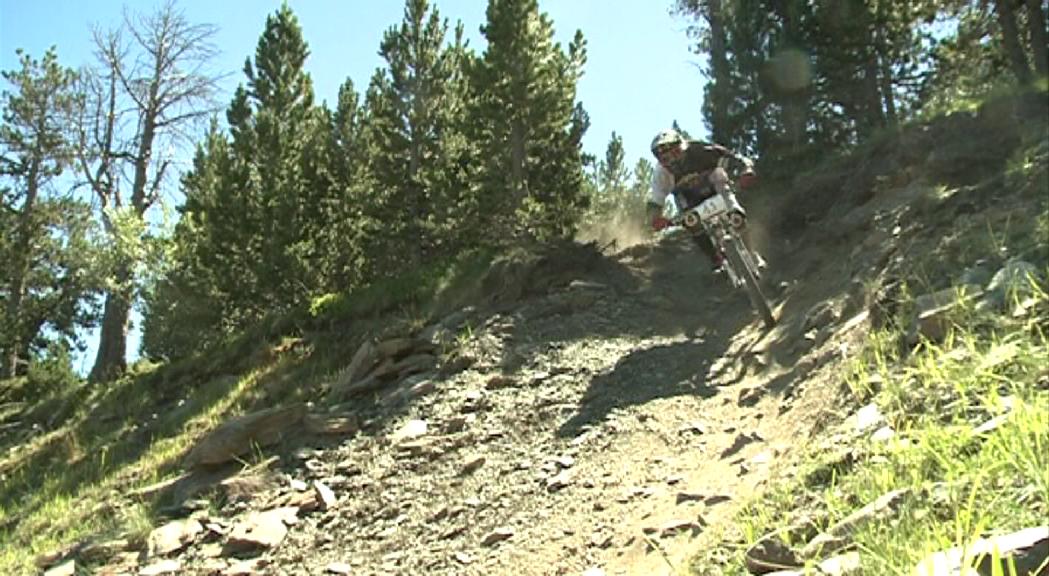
(669, 152)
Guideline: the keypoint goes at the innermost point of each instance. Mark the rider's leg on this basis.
(699, 236)
(706, 245)
(719, 182)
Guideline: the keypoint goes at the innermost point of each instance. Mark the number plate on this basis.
(711, 207)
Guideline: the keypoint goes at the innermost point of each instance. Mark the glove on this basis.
(659, 223)
(747, 180)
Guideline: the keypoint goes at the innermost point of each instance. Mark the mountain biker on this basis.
(686, 170)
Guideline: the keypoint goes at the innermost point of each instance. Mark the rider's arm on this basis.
(741, 164)
(744, 169)
(662, 184)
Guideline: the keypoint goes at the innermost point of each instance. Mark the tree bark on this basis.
(887, 94)
(720, 71)
(872, 96)
(1011, 40)
(1038, 36)
(872, 84)
(517, 159)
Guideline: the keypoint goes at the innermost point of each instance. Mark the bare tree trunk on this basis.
(872, 96)
(1038, 36)
(1011, 40)
(164, 98)
(872, 71)
(110, 360)
(517, 159)
(891, 117)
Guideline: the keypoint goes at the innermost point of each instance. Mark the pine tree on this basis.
(413, 123)
(528, 123)
(638, 192)
(613, 171)
(345, 263)
(262, 206)
(281, 123)
(614, 198)
(642, 178)
(346, 136)
(45, 284)
(712, 38)
(210, 279)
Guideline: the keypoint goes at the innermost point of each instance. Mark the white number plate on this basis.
(711, 207)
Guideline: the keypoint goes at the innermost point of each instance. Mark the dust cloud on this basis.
(616, 234)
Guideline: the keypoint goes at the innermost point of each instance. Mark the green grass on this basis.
(71, 483)
(58, 485)
(969, 485)
(423, 292)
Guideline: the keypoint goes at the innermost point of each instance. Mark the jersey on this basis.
(687, 178)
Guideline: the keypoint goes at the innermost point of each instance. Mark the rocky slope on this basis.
(601, 416)
(602, 424)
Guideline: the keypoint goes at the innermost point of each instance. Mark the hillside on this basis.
(579, 409)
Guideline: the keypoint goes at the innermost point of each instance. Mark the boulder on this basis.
(169, 566)
(415, 364)
(245, 487)
(1011, 281)
(172, 537)
(843, 565)
(260, 530)
(362, 362)
(498, 535)
(325, 497)
(979, 274)
(338, 568)
(67, 568)
(395, 347)
(240, 435)
(932, 312)
(770, 554)
(331, 425)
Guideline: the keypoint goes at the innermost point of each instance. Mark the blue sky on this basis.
(639, 77)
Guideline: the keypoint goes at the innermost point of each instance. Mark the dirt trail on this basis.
(606, 424)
